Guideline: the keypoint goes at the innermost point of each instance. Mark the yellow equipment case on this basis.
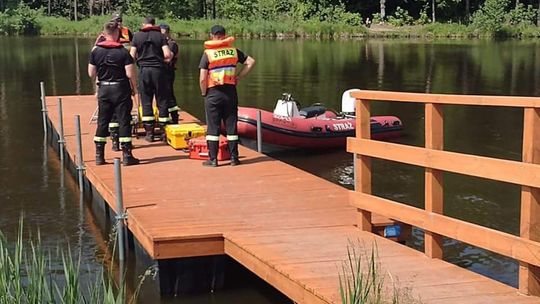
(178, 135)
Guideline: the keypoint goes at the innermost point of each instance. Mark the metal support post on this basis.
(43, 106)
(80, 163)
(259, 132)
(120, 216)
(61, 140)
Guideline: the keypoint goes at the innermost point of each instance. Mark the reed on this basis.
(27, 275)
(363, 281)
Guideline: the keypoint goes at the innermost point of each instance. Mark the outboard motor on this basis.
(286, 106)
(347, 102)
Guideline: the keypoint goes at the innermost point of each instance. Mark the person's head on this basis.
(165, 29)
(117, 17)
(110, 29)
(217, 32)
(149, 21)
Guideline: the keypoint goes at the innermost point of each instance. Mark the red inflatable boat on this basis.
(311, 127)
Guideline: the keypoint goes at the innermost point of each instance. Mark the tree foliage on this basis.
(486, 15)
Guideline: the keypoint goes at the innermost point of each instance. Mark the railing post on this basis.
(529, 275)
(43, 106)
(120, 217)
(80, 162)
(362, 182)
(61, 140)
(259, 132)
(433, 245)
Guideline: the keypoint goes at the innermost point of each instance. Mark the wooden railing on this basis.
(524, 248)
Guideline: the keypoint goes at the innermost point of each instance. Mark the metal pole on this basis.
(80, 163)
(120, 216)
(259, 132)
(43, 106)
(61, 140)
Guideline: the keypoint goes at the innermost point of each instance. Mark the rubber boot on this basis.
(213, 147)
(175, 117)
(100, 154)
(233, 149)
(127, 158)
(149, 129)
(115, 139)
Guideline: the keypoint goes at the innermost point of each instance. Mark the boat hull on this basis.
(321, 132)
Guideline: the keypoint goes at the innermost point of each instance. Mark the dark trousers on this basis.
(152, 82)
(114, 100)
(170, 75)
(221, 104)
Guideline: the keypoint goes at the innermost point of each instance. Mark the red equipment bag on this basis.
(198, 149)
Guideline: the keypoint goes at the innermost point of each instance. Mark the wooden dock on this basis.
(287, 226)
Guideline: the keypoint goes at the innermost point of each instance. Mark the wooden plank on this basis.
(484, 167)
(490, 239)
(188, 248)
(291, 288)
(529, 275)
(468, 100)
(433, 243)
(362, 164)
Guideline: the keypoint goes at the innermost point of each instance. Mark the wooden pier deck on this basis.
(287, 226)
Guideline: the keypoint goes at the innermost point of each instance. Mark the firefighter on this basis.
(149, 47)
(113, 67)
(125, 38)
(170, 73)
(218, 78)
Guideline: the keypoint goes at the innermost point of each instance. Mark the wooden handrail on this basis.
(526, 173)
(449, 99)
(490, 239)
(478, 166)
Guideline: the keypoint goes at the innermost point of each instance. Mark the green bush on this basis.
(491, 16)
(20, 21)
(400, 18)
(522, 15)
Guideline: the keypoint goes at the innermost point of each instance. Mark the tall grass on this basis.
(27, 275)
(363, 281)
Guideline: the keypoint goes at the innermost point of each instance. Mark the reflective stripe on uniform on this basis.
(114, 125)
(148, 118)
(100, 139)
(164, 119)
(212, 138)
(175, 108)
(124, 139)
(232, 137)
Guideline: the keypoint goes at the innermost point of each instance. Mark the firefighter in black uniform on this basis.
(170, 69)
(218, 78)
(111, 63)
(124, 38)
(149, 47)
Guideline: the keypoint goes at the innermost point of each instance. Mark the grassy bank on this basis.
(50, 26)
(199, 28)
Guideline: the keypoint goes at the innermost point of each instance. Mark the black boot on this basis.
(100, 153)
(233, 150)
(115, 139)
(127, 158)
(163, 135)
(213, 147)
(175, 117)
(149, 128)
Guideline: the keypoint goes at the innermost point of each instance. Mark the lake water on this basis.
(32, 180)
